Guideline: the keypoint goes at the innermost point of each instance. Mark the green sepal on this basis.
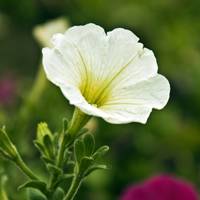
(58, 194)
(41, 186)
(100, 152)
(89, 143)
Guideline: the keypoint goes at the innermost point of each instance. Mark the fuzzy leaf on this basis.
(100, 152)
(86, 162)
(33, 184)
(94, 168)
(89, 143)
(79, 150)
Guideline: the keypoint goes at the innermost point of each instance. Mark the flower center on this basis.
(93, 90)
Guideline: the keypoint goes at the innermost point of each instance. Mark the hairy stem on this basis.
(77, 122)
(25, 169)
(76, 183)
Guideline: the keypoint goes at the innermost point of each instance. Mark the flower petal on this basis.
(123, 48)
(75, 97)
(134, 103)
(77, 33)
(60, 70)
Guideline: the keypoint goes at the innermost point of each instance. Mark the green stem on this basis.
(79, 119)
(61, 153)
(76, 183)
(25, 169)
(58, 163)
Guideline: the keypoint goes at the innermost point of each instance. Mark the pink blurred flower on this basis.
(161, 188)
(7, 90)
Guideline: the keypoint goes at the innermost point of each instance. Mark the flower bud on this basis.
(7, 148)
(44, 32)
(42, 131)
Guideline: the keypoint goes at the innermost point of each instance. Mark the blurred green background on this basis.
(168, 143)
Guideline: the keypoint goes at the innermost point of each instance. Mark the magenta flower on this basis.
(7, 90)
(161, 188)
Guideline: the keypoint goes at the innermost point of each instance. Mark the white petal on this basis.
(123, 48)
(58, 70)
(77, 33)
(134, 103)
(126, 62)
(116, 113)
(70, 61)
(76, 98)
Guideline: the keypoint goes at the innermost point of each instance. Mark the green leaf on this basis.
(89, 143)
(79, 150)
(86, 162)
(34, 184)
(94, 168)
(67, 138)
(100, 152)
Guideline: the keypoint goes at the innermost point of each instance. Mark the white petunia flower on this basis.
(111, 75)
